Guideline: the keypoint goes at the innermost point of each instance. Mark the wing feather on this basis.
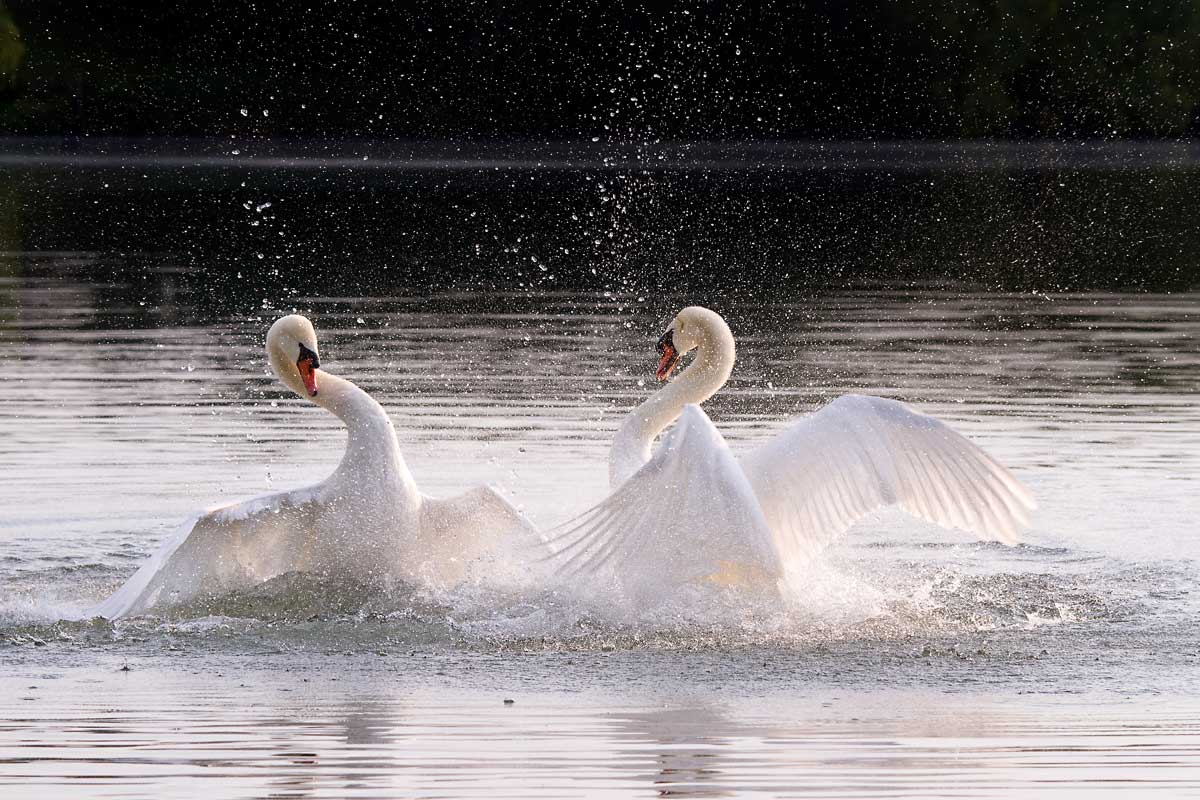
(860, 453)
(218, 550)
(460, 532)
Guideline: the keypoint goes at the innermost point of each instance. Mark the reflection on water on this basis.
(687, 747)
(1049, 216)
(259, 735)
(137, 392)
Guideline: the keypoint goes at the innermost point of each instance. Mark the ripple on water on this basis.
(899, 604)
(912, 663)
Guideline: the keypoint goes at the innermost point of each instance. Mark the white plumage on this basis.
(366, 522)
(691, 512)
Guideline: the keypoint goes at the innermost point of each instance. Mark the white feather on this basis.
(859, 454)
(691, 512)
(688, 515)
(365, 522)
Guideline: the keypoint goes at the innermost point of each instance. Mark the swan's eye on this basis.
(667, 340)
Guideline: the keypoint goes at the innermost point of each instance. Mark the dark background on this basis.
(241, 82)
(445, 70)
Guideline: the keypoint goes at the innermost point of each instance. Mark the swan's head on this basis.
(692, 328)
(292, 349)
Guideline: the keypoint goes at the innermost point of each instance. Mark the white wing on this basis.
(459, 531)
(860, 453)
(687, 515)
(222, 549)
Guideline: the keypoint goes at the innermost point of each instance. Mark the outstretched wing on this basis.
(861, 453)
(219, 550)
(460, 530)
(687, 515)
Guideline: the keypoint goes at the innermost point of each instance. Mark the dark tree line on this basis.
(601, 68)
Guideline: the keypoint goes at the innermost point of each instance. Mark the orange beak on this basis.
(668, 356)
(308, 374)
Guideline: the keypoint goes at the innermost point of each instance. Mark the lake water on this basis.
(923, 664)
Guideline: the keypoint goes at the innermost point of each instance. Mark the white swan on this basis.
(692, 512)
(366, 521)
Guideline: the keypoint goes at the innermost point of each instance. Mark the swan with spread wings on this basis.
(367, 521)
(693, 512)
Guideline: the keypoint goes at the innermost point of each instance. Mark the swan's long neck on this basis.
(372, 453)
(372, 461)
(707, 373)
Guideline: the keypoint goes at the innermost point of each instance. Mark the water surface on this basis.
(923, 665)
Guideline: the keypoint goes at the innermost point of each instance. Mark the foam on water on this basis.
(882, 600)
